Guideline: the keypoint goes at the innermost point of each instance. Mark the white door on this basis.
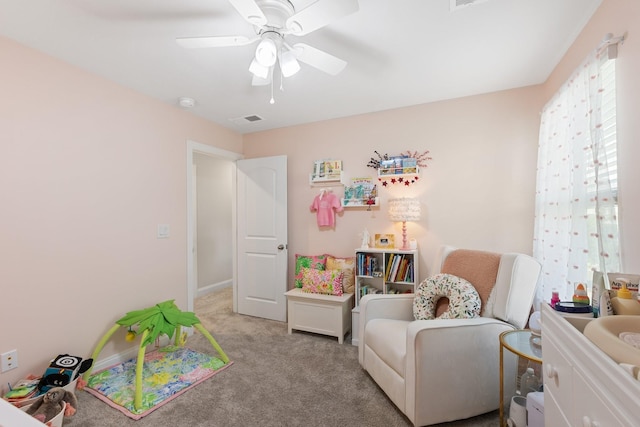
(262, 237)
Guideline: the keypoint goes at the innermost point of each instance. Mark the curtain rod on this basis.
(610, 43)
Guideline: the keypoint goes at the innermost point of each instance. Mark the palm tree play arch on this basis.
(163, 318)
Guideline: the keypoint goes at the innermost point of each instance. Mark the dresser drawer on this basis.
(589, 410)
(552, 412)
(557, 374)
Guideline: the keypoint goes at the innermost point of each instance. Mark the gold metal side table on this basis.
(521, 343)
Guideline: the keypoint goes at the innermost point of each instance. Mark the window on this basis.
(576, 218)
(610, 173)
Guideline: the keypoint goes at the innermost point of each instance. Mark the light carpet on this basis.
(277, 379)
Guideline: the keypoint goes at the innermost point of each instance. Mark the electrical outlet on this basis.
(9, 360)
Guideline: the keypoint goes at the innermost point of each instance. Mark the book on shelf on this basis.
(332, 168)
(366, 264)
(409, 165)
(403, 270)
(386, 167)
(399, 268)
(367, 289)
(409, 275)
(394, 268)
(397, 165)
(388, 266)
(327, 169)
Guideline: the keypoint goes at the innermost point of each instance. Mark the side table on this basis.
(519, 342)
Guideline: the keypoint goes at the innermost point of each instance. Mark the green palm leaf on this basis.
(162, 318)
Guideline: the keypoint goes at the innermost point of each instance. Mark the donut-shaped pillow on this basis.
(464, 301)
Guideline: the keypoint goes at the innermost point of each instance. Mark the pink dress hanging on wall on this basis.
(326, 204)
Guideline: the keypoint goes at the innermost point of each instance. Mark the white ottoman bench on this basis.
(321, 314)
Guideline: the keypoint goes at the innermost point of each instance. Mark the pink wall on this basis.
(89, 168)
(477, 192)
(87, 171)
(617, 17)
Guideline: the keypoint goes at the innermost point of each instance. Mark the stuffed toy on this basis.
(48, 405)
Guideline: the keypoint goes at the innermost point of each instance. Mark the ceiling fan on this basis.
(273, 20)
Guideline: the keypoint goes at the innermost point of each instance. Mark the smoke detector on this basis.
(185, 102)
(460, 4)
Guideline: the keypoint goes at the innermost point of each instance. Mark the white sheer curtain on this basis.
(576, 226)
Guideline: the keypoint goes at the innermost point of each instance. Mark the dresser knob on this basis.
(550, 371)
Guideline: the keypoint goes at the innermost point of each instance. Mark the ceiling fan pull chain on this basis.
(272, 101)
(281, 82)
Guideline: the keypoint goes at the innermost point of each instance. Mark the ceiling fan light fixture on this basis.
(288, 63)
(256, 20)
(258, 69)
(266, 52)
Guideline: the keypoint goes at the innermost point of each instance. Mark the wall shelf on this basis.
(324, 180)
(359, 203)
(398, 172)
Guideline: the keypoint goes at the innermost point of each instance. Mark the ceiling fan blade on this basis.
(319, 59)
(214, 41)
(250, 11)
(320, 14)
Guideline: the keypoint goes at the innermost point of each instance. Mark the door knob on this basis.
(280, 247)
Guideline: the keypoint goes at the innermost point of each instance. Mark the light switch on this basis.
(163, 231)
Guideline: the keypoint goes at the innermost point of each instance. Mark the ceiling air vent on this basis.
(460, 4)
(243, 120)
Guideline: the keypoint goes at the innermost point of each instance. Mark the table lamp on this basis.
(404, 209)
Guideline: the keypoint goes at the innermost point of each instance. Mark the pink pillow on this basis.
(327, 282)
(347, 266)
(317, 262)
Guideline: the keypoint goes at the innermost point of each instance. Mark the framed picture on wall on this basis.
(384, 241)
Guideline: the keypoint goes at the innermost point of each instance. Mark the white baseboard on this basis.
(204, 290)
(99, 365)
(164, 340)
(121, 357)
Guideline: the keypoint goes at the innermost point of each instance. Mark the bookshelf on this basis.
(381, 271)
(385, 271)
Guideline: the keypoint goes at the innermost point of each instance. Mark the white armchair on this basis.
(448, 369)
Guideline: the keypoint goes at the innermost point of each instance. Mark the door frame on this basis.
(194, 147)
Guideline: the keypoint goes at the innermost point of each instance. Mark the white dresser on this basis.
(10, 416)
(582, 385)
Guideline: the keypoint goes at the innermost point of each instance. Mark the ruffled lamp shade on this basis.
(402, 210)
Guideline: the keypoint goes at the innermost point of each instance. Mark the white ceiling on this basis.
(399, 53)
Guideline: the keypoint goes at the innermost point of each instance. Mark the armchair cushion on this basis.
(480, 268)
(391, 337)
(464, 301)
